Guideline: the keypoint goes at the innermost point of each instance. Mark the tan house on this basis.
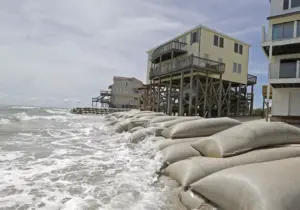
(281, 44)
(208, 44)
(198, 54)
(124, 93)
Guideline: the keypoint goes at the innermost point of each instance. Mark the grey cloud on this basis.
(70, 49)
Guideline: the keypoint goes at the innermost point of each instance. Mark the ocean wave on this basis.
(4, 121)
(24, 107)
(23, 116)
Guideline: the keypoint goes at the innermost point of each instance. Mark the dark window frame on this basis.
(234, 70)
(236, 47)
(286, 4)
(241, 49)
(194, 37)
(216, 40)
(283, 28)
(221, 42)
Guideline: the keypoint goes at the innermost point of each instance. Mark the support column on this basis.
(238, 101)
(197, 96)
(220, 96)
(268, 90)
(210, 97)
(181, 94)
(191, 93)
(252, 100)
(229, 100)
(263, 107)
(298, 69)
(158, 96)
(170, 97)
(205, 94)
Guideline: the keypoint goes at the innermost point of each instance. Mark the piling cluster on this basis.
(96, 111)
(221, 163)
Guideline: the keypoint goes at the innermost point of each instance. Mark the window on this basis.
(295, 3)
(298, 28)
(218, 41)
(238, 48)
(221, 42)
(206, 56)
(126, 83)
(234, 67)
(283, 31)
(285, 4)
(239, 68)
(220, 60)
(194, 37)
(288, 68)
(241, 49)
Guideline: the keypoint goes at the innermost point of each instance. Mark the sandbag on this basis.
(143, 133)
(249, 136)
(149, 114)
(128, 124)
(158, 139)
(271, 185)
(188, 171)
(178, 152)
(168, 142)
(162, 119)
(174, 122)
(199, 128)
(191, 200)
(136, 129)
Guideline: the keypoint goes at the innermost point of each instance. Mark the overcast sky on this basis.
(62, 52)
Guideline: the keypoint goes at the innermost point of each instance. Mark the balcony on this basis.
(105, 93)
(166, 51)
(187, 62)
(252, 80)
(284, 77)
(282, 45)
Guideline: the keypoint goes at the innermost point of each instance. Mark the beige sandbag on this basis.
(162, 119)
(178, 152)
(174, 122)
(168, 142)
(149, 114)
(271, 185)
(128, 124)
(143, 133)
(136, 129)
(158, 139)
(191, 200)
(188, 171)
(245, 137)
(199, 128)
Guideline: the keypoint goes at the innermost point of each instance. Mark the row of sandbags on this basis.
(225, 155)
(194, 149)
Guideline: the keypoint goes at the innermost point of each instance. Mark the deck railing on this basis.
(186, 62)
(174, 45)
(252, 79)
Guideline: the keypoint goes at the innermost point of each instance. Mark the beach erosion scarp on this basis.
(221, 163)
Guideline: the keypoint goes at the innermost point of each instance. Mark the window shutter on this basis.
(191, 38)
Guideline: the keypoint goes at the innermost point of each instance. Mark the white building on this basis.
(123, 93)
(281, 44)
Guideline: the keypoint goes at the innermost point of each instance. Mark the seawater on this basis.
(51, 159)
